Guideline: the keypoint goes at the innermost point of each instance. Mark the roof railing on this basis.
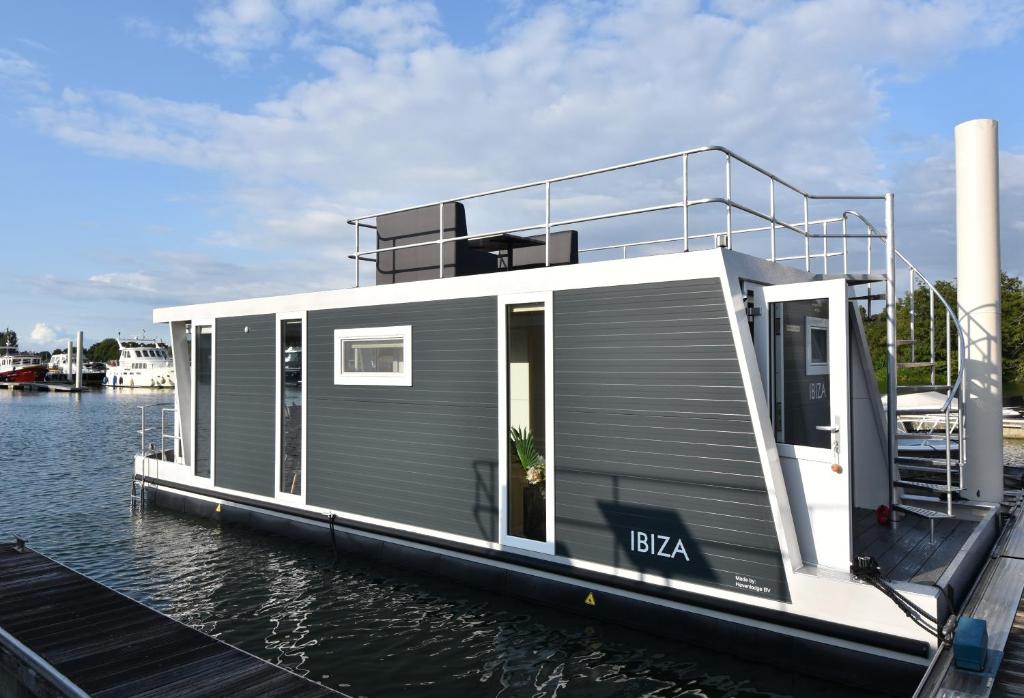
(773, 223)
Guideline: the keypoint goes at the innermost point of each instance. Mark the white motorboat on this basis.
(143, 363)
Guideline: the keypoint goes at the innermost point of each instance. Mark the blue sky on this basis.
(164, 153)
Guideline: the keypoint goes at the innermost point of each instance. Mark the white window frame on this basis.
(506, 540)
(815, 368)
(403, 332)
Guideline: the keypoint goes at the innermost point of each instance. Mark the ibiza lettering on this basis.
(656, 544)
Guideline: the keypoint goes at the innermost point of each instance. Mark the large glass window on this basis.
(800, 384)
(527, 467)
(291, 406)
(204, 392)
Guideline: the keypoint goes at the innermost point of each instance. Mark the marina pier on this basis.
(63, 634)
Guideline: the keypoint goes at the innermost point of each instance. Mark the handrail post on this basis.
(728, 198)
(440, 241)
(890, 335)
(357, 254)
(949, 353)
(824, 246)
(686, 203)
(845, 272)
(547, 226)
(913, 335)
(163, 429)
(771, 213)
(931, 332)
(142, 431)
(807, 240)
(870, 285)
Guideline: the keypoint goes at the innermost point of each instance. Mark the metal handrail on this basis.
(685, 204)
(143, 429)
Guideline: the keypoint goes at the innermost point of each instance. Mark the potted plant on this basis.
(526, 451)
(532, 474)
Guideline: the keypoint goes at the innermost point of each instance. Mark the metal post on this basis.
(142, 432)
(67, 370)
(79, 338)
(824, 245)
(357, 254)
(547, 226)
(845, 272)
(931, 332)
(890, 336)
(728, 197)
(949, 353)
(807, 240)
(913, 336)
(771, 191)
(440, 241)
(870, 285)
(686, 203)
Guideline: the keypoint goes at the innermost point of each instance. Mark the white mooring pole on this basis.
(977, 270)
(67, 369)
(78, 360)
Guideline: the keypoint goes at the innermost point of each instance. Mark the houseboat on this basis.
(142, 363)
(676, 427)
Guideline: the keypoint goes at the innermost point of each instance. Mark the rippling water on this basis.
(365, 628)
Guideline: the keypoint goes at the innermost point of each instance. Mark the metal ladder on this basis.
(923, 480)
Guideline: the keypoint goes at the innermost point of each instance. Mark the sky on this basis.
(164, 153)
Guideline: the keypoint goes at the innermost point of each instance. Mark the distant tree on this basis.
(105, 351)
(8, 338)
(1012, 299)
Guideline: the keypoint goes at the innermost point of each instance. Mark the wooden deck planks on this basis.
(111, 646)
(905, 552)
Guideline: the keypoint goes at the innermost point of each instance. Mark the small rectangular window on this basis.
(817, 346)
(373, 356)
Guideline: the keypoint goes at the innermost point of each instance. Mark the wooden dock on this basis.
(43, 387)
(998, 599)
(63, 634)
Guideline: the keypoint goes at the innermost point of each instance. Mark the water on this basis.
(364, 628)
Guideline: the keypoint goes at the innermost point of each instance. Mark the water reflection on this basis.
(364, 628)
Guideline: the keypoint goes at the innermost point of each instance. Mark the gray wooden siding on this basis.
(424, 455)
(245, 400)
(653, 434)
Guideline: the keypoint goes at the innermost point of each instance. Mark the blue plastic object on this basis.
(970, 644)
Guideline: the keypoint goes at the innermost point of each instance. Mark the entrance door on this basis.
(808, 388)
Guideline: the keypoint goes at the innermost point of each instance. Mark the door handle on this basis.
(828, 428)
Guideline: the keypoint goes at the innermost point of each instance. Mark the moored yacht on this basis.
(20, 367)
(143, 363)
(93, 372)
(678, 429)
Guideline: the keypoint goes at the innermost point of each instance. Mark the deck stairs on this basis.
(928, 466)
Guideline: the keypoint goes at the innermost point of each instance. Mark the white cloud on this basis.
(233, 29)
(44, 335)
(20, 73)
(401, 114)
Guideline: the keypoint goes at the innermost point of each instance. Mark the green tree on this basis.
(1012, 298)
(8, 338)
(105, 351)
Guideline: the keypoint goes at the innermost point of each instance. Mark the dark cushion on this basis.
(564, 250)
(421, 225)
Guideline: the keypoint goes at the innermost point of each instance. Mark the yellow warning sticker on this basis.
(218, 507)
(590, 599)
